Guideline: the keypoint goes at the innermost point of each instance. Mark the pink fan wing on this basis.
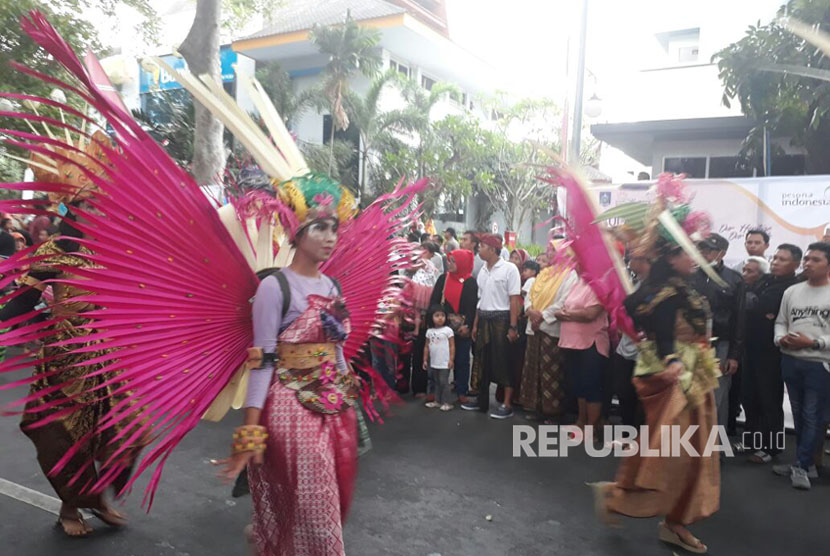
(366, 262)
(596, 261)
(172, 289)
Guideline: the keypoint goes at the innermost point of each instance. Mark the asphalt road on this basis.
(425, 489)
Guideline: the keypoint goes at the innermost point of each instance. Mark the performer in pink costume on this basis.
(172, 325)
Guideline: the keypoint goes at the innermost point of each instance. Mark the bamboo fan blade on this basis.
(625, 211)
(274, 123)
(679, 234)
(243, 129)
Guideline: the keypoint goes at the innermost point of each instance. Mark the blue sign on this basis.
(160, 80)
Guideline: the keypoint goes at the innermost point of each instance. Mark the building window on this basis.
(693, 167)
(427, 82)
(681, 46)
(401, 68)
(687, 54)
(729, 167)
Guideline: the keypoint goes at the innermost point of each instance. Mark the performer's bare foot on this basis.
(250, 540)
(72, 522)
(677, 534)
(110, 516)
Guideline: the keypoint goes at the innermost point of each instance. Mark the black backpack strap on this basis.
(286, 292)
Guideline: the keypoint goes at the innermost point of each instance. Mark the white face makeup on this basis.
(318, 239)
(319, 230)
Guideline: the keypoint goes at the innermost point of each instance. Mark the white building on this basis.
(665, 109)
(414, 40)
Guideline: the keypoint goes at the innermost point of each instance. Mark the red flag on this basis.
(100, 79)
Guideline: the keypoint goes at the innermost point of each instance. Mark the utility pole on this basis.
(580, 85)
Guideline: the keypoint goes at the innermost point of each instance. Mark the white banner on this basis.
(791, 209)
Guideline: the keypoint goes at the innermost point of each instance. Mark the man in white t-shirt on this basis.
(495, 329)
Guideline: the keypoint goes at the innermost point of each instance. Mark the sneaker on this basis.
(786, 470)
(446, 407)
(431, 405)
(783, 469)
(799, 479)
(470, 406)
(502, 412)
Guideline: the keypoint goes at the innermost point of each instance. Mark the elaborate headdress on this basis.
(654, 228)
(315, 196)
(304, 196)
(70, 168)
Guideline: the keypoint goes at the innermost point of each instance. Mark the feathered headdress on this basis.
(665, 223)
(70, 167)
(307, 196)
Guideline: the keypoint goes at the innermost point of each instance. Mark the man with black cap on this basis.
(728, 315)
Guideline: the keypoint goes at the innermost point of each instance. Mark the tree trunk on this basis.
(201, 52)
(331, 146)
(363, 162)
(510, 214)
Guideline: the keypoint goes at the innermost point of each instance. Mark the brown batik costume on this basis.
(65, 385)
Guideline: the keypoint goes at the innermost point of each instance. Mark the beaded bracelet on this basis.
(249, 438)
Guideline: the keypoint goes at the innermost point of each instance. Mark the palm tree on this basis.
(421, 102)
(375, 125)
(351, 49)
(289, 104)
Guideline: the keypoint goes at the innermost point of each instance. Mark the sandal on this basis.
(600, 491)
(760, 457)
(110, 517)
(669, 536)
(74, 526)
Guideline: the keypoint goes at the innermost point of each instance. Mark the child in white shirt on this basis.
(439, 354)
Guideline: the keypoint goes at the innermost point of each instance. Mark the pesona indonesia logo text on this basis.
(806, 199)
(554, 441)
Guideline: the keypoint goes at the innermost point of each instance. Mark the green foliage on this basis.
(523, 137)
(289, 103)
(235, 13)
(375, 125)
(317, 157)
(11, 171)
(532, 249)
(170, 119)
(16, 46)
(787, 104)
(351, 49)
